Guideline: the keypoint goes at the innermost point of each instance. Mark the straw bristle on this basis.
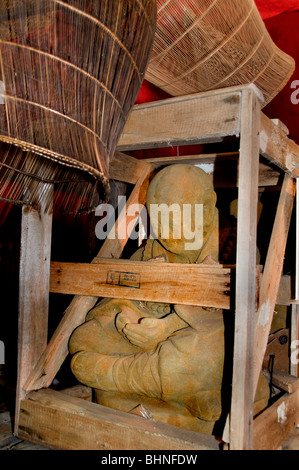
(71, 72)
(203, 45)
(25, 178)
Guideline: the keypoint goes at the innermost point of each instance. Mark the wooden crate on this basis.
(60, 420)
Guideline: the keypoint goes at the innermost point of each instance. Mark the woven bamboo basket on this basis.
(203, 45)
(70, 72)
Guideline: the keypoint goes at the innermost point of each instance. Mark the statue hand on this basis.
(146, 334)
(125, 317)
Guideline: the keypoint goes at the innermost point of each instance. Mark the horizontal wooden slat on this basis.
(192, 284)
(193, 159)
(223, 168)
(54, 419)
(197, 118)
(288, 383)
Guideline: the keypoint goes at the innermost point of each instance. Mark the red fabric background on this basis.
(285, 33)
(268, 8)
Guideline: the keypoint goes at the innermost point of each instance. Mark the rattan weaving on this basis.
(203, 45)
(70, 72)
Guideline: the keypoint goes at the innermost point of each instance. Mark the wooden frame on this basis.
(201, 118)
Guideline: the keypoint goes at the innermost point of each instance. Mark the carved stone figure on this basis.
(167, 358)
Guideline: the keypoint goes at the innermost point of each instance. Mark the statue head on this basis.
(181, 202)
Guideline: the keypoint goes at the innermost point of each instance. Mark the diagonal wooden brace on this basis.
(272, 272)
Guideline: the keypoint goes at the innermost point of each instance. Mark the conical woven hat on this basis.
(70, 72)
(203, 45)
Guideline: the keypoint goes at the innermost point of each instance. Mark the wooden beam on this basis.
(271, 279)
(190, 119)
(33, 293)
(56, 420)
(223, 168)
(125, 168)
(57, 348)
(281, 125)
(113, 248)
(288, 383)
(278, 148)
(276, 423)
(189, 284)
(193, 159)
(241, 417)
(198, 118)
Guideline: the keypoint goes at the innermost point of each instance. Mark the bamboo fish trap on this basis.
(203, 45)
(70, 72)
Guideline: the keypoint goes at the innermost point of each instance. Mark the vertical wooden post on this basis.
(36, 235)
(241, 417)
(297, 242)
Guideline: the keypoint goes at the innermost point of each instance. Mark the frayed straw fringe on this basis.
(70, 72)
(25, 178)
(203, 45)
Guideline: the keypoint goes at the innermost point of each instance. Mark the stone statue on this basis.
(167, 358)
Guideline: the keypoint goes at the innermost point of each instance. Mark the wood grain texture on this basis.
(272, 272)
(125, 168)
(36, 234)
(198, 118)
(138, 280)
(278, 148)
(286, 382)
(277, 423)
(65, 422)
(242, 392)
(223, 168)
(190, 119)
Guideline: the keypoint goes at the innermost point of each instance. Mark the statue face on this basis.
(181, 204)
(178, 227)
